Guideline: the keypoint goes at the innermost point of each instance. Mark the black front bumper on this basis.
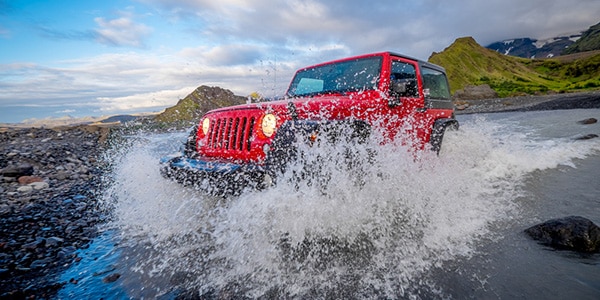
(217, 178)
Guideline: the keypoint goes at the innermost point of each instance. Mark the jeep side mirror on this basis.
(403, 88)
(398, 88)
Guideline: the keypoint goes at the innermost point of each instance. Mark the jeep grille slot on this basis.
(231, 133)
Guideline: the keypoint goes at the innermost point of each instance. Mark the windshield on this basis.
(353, 75)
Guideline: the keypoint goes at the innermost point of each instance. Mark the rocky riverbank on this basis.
(49, 179)
(530, 103)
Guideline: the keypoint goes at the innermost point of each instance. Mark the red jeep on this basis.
(393, 94)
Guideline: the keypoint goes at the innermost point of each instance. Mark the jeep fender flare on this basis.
(437, 133)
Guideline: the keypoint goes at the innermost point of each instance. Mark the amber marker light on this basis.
(268, 124)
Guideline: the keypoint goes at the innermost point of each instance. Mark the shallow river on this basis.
(398, 226)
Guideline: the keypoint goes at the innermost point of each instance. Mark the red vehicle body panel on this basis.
(235, 136)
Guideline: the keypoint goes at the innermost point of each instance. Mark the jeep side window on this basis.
(403, 80)
(435, 85)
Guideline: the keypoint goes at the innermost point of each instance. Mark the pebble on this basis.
(29, 179)
(111, 278)
(39, 185)
(25, 189)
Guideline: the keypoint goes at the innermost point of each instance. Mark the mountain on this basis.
(469, 64)
(197, 103)
(565, 44)
(590, 40)
(120, 119)
(532, 48)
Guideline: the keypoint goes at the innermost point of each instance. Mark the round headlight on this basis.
(205, 125)
(269, 122)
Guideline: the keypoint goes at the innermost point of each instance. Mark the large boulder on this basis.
(472, 92)
(569, 233)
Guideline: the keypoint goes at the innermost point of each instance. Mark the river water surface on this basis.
(398, 226)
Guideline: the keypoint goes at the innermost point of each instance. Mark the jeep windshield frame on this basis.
(340, 77)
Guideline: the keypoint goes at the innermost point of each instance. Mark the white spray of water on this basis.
(371, 232)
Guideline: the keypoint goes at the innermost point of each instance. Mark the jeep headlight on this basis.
(205, 125)
(268, 124)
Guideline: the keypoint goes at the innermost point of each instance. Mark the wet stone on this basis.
(54, 241)
(111, 278)
(570, 233)
(40, 263)
(588, 121)
(587, 137)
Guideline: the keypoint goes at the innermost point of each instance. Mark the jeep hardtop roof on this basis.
(421, 63)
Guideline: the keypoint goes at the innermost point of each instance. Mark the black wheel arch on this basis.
(439, 128)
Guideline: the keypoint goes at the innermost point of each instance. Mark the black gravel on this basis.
(43, 224)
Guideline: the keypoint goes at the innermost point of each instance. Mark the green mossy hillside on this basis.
(189, 109)
(468, 63)
(589, 41)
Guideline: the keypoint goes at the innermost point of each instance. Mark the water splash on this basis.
(369, 232)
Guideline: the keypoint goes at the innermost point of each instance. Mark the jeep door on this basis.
(405, 107)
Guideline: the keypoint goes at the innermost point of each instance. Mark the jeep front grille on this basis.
(231, 133)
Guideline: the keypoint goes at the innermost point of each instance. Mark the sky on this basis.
(94, 58)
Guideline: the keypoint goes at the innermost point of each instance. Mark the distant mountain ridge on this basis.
(532, 48)
(587, 40)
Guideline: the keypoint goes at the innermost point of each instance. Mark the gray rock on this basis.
(62, 175)
(35, 244)
(587, 137)
(54, 241)
(111, 278)
(17, 171)
(25, 189)
(569, 233)
(39, 185)
(472, 92)
(588, 121)
(40, 263)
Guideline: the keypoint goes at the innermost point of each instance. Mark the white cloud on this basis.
(152, 100)
(122, 31)
(255, 45)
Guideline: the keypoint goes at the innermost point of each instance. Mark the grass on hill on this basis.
(468, 63)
